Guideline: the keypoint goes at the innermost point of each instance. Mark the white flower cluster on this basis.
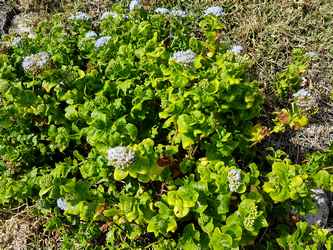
(90, 34)
(102, 41)
(173, 12)
(134, 4)
(107, 14)
(16, 41)
(214, 10)
(312, 54)
(62, 204)
(36, 62)
(302, 93)
(80, 16)
(178, 13)
(234, 179)
(236, 49)
(251, 217)
(121, 157)
(162, 11)
(184, 57)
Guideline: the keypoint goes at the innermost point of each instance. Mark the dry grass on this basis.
(49, 6)
(270, 31)
(314, 137)
(22, 229)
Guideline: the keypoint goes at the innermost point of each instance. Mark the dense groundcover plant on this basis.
(136, 132)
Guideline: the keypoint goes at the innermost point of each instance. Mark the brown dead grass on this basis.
(22, 229)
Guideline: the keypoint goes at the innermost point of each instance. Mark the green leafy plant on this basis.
(142, 136)
(289, 79)
(304, 238)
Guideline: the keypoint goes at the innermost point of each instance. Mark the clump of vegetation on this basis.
(141, 132)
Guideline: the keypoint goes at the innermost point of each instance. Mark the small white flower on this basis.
(302, 93)
(80, 16)
(312, 54)
(102, 41)
(16, 41)
(107, 14)
(214, 10)
(161, 11)
(184, 57)
(134, 4)
(36, 62)
(43, 59)
(28, 63)
(62, 204)
(234, 179)
(121, 157)
(178, 13)
(90, 34)
(236, 49)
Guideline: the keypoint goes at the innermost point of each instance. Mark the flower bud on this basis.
(234, 179)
